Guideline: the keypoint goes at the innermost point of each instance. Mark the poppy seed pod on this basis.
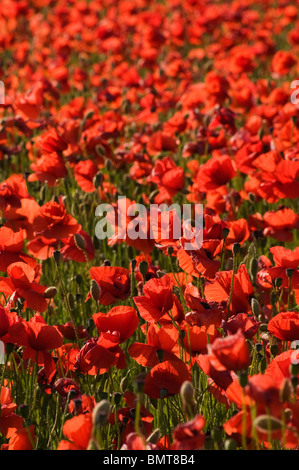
(225, 232)
(98, 180)
(100, 413)
(236, 248)
(95, 290)
(285, 390)
(266, 423)
(50, 292)
(80, 242)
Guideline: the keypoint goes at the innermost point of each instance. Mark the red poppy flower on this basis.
(22, 283)
(78, 431)
(189, 436)
(285, 326)
(84, 173)
(114, 283)
(48, 168)
(166, 379)
(122, 319)
(53, 222)
(157, 299)
(232, 351)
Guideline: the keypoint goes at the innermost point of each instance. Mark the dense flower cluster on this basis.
(145, 344)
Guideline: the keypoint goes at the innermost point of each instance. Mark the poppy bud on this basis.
(57, 256)
(266, 423)
(258, 347)
(251, 197)
(98, 180)
(285, 390)
(117, 397)
(253, 267)
(50, 292)
(225, 232)
(230, 444)
(278, 282)
(160, 354)
(143, 267)
(109, 165)
(80, 242)
(236, 248)
(124, 384)
(274, 349)
(71, 301)
(107, 262)
(255, 307)
(163, 392)
(289, 272)
(95, 290)
(154, 437)
(170, 251)
(24, 410)
(294, 370)
(133, 264)
(100, 149)
(100, 413)
(243, 379)
(187, 392)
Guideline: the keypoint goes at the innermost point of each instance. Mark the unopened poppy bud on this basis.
(160, 274)
(170, 251)
(230, 444)
(243, 379)
(100, 149)
(163, 392)
(50, 292)
(139, 382)
(9, 347)
(71, 301)
(294, 369)
(124, 384)
(100, 413)
(117, 398)
(258, 347)
(236, 248)
(187, 392)
(274, 349)
(133, 264)
(253, 267)
(278, 282)
(267, 423)
(160, 354)
(107, 262)
(109, 165)
(80, 242)
(154, 437)
(251, 197)
(98, 180)
(143, 267)
(24, 410)
(95, 290)
(255, 307)
(225, 232)
(288, 414)
(57, 256)
(289, 272)
(285, 390)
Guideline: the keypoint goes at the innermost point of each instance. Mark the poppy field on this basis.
(156, 342)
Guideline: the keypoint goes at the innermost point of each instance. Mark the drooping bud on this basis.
(95, 290)
(80, 242)
(267, 423)
(50, 292)
(255, 307)
(154, 437)
(100, 413)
